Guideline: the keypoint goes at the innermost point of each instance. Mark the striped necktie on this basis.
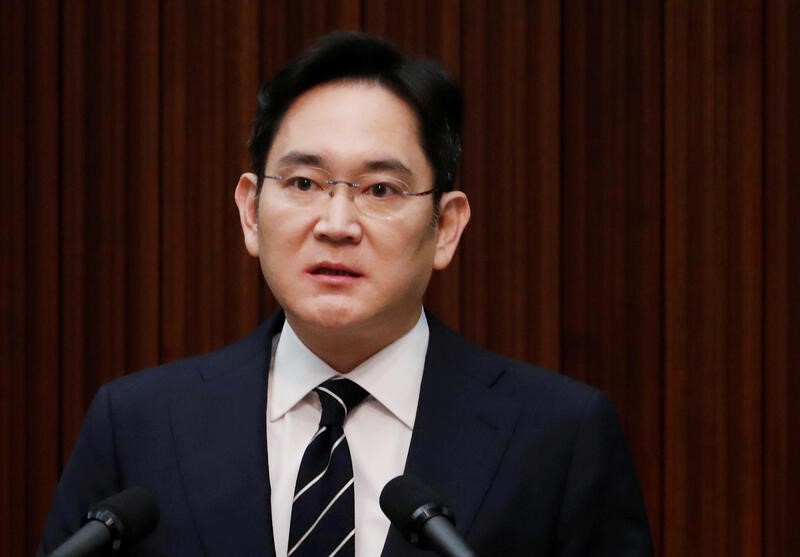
(322, 510)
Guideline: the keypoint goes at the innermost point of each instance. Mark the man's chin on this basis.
(329, 318)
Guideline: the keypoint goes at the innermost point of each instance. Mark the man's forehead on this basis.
(361, 125)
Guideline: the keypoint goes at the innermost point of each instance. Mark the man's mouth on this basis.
(334, 272)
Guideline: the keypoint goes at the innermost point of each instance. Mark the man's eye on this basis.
(302, 183)
(382, 190)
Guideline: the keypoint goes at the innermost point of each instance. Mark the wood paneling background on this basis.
(634, 172)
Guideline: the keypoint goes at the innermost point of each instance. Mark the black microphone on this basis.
(119, 521)
(415, 510)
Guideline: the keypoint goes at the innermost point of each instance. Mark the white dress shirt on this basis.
(378, 431)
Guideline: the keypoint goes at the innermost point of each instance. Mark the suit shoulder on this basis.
(540, 390)
(534, 376)
(165, 378)
(530, 386)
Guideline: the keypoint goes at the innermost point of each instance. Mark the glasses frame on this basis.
(328, 187)
(353, 185)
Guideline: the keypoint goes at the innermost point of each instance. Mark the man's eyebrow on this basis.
(376, 165)
(387, 165)
(298, 157)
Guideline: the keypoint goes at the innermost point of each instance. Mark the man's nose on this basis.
(340, 219)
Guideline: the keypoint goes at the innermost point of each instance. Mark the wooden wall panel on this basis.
(296, 24)
(420, 28)
(30, 259)
(210, 75)
(633, 172)
(611, 210)
(713, 294)
(109, 232)
(511, 171)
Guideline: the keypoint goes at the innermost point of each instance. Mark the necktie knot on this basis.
(338, 397)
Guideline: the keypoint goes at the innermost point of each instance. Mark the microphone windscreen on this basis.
(401, 498)
(136, 509)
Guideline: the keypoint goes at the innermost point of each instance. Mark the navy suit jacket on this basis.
(531, 462)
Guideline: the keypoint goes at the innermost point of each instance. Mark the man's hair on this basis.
(424, 85)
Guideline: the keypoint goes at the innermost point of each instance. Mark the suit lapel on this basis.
(461, 429)
(219, 430)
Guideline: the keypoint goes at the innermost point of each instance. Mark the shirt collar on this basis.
(392, 376)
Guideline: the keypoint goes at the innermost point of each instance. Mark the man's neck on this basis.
(344, 350)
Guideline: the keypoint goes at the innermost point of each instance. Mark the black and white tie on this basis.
(322, 510)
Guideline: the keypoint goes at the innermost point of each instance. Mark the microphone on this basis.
(119, 521)
(415, 510)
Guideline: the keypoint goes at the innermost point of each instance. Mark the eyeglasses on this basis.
(375, 195)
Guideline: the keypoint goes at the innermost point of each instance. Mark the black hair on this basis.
(424, 85)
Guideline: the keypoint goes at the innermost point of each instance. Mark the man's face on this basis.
(332, 268)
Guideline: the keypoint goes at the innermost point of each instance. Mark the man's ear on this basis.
(247, 202)
(453, 218)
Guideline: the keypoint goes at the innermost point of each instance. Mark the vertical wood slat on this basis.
(777, 473)
(75, 363)
(12, 280)
(174, 89)
(140, 176)
(543, 130)
(204, 184)
(41, 187)
(782, 276)
(103, 190)
(477, 114)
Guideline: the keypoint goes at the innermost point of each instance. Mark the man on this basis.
(350, 207)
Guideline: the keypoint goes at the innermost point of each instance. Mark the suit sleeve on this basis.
(603, 511)
(89, 477)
